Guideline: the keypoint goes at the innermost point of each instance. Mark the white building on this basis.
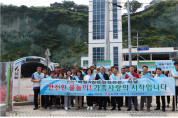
(151, 55)
(105, 33)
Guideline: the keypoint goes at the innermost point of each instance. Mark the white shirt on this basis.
(122, 76)
(87, 77)
(114, 77)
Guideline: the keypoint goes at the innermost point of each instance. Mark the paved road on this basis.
(26, 89)
(28, 111)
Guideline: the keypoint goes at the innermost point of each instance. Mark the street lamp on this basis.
(129, 31)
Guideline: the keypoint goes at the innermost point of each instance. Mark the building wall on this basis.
(108, 42)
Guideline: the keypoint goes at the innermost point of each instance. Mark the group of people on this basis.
(129, 72)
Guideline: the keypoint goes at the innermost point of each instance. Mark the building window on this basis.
(115, 26)
(98, 19)
(98, 54)
(85, 63)
(115, 56)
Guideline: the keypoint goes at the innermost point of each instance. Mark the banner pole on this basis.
(40, 103)
(175, 100)
(8, 85)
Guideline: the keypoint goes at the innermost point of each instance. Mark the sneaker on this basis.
(70, 108)
(141, 109)
(91, 108)
(66, 108)
(163, 110)
(88, 108)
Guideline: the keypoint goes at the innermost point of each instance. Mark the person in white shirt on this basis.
(89, 77)
(67, 99)
(36, 79)
(115, 77)
(123, 73)
(174, 74)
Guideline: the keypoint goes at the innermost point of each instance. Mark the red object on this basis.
(62, 70)
(57, 87)
(72, 87)
(134, 74)
(50, 87)
(78, 88)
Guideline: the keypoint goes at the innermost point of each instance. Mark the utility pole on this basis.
(137, 47)
(129, 34)
(107, 31)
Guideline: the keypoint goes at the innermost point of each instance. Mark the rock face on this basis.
(30, 32)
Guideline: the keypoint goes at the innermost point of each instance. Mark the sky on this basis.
(48, 2)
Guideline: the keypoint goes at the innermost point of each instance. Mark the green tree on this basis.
(134, 6)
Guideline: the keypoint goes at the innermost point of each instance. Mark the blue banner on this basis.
(140, 87)
(165, 65)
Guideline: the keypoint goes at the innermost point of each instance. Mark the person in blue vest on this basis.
(132, 75)
(160, 74)
(174, 74)
(145, 74)
(102, 76)
(36, 79)
(78, 99)
(122, 76)
(116, 99)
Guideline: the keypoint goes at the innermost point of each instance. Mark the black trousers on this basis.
(49, 100)
(62, 100)
(126, 101)
(158, 102)
(102, 101)
(43, 100)
(118, 100)
(168, 99)
(58, 101)
(36, 93)
(176, 88)
(90, 100)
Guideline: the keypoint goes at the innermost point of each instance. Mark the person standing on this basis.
(168, 97)
(67, 99)
(145, 74)
(61, 100)
(49, 98)
(102, 76)
(78, 99)
(174, 74)
(90, 99)
(122, 76)
(73, 75)
(118, 99)
(132, 76)
(36, 79)
(159, 74)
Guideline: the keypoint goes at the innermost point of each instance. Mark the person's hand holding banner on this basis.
(175, 76)
(134, 78)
